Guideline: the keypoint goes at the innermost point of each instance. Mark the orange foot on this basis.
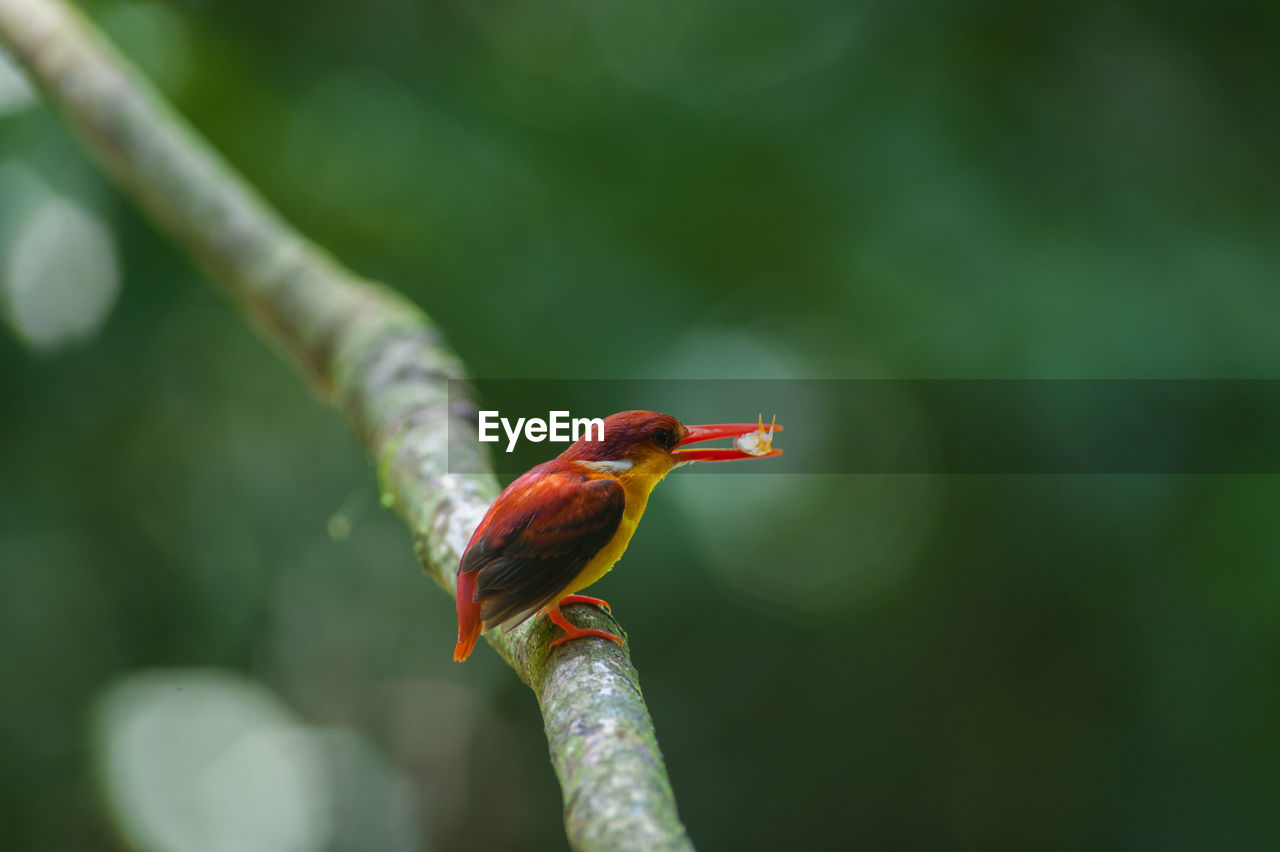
(576, 599)
(572, 632)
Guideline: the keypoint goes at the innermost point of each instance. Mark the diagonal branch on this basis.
(385, 365)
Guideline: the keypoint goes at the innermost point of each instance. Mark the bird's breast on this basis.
(637, 489)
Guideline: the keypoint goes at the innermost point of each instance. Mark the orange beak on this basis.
(741, 432)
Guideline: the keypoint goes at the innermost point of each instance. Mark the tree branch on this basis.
(384, 364)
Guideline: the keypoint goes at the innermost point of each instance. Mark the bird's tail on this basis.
(469, 622)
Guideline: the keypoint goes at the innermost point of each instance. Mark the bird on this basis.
(563, 524)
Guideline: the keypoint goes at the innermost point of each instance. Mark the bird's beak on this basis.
(751, 440)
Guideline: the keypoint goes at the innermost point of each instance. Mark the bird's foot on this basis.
(572, 631)
(586, 599)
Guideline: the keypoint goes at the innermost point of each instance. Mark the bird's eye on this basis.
(664, 438)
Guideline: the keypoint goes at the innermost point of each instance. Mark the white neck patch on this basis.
(610, 466)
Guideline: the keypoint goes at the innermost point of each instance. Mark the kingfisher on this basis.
(564, 524)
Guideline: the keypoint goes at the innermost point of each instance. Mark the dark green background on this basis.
(689, 188)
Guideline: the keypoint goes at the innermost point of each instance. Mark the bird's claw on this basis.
(586, 599)
(586, 631)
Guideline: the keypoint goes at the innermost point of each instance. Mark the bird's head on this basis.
(649, 443)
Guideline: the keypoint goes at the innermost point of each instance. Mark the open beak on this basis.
(751, 441)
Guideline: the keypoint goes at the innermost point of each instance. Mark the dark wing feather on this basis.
(540, 535)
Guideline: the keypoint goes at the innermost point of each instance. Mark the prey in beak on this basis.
(751, 440)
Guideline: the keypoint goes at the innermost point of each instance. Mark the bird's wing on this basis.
(540, 535)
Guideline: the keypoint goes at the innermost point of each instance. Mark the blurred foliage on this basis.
(591, 188)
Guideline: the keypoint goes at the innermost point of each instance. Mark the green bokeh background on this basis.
(598, 189)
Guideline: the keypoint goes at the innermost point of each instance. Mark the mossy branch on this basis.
(381, 361)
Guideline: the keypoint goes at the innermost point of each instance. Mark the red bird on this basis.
(562, 525)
